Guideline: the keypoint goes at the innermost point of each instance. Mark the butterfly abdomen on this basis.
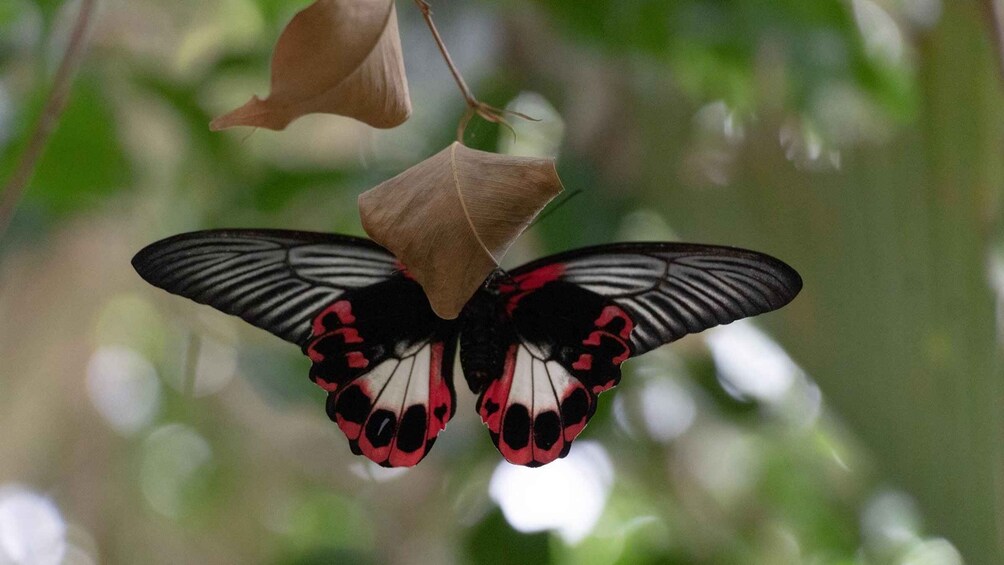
(485, 338)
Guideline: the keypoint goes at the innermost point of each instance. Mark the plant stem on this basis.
(464, 89)
(15, 187)
(474, 106)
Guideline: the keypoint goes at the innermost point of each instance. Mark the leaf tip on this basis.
(255, 113)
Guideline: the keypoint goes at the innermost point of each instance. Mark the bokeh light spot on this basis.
(933, 552)
(567, 495)
(174, 456)
(750, 364)
(32, 531)
(123, 387)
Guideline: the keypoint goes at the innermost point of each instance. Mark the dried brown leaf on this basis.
(337, 57)
(451, 218)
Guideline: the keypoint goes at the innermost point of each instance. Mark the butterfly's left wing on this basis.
(377, 348)
(541, 348)
(277, 280)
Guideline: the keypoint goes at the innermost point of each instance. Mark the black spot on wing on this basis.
(381, 427)
(352, 404)
(575, 408)
(546, 430)
(491, 407)
(354, 447)
(411, 435)
(516, 427)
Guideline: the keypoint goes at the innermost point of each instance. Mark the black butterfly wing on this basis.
(276, 280)
(377, 348)
(670, 290)
(570, 320)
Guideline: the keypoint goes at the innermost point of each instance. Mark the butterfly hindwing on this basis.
(537, 393)
(571, 320)
(384, 358)
(386, 361)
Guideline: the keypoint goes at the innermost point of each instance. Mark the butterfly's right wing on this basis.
(377, 348)
(541, 348)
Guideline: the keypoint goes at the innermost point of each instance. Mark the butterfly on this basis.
(537, 345)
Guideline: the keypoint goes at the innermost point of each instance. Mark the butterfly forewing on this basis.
(276, 280)
(670, 290)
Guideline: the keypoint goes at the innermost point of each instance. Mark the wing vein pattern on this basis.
(277, 280)
(672, 289)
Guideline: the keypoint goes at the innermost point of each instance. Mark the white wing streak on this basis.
(672, 289)
(277, 280)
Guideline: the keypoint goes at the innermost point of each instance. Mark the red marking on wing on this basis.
(542, 456)
(497, 394)
(357, 360)
(313, 354)
(584, 363)
(440, 399)
(342, 309)
(373, 453)
(335, 347)
(595, 338)
(330, 387)
(403, 270)
(399, 458)
(623, 356)
(573, 429)
(353, 430)
(611, 313)
(350, 335)
(529, 282)
(539, 277)
(523, 456)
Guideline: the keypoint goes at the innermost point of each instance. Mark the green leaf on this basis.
(495, 542)
(84, 160)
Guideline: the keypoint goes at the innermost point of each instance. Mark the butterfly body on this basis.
(537, 345)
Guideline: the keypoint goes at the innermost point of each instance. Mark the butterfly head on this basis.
(496, 280)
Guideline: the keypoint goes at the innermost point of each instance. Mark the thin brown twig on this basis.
(474, 106)
(991, 9)
(426, 10)
(14, 190)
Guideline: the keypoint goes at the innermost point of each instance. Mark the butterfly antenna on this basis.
(556, 207)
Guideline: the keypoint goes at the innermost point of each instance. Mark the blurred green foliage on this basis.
(846, 137)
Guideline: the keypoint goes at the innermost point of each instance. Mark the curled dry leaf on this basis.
(337, 57)
(451, 218)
